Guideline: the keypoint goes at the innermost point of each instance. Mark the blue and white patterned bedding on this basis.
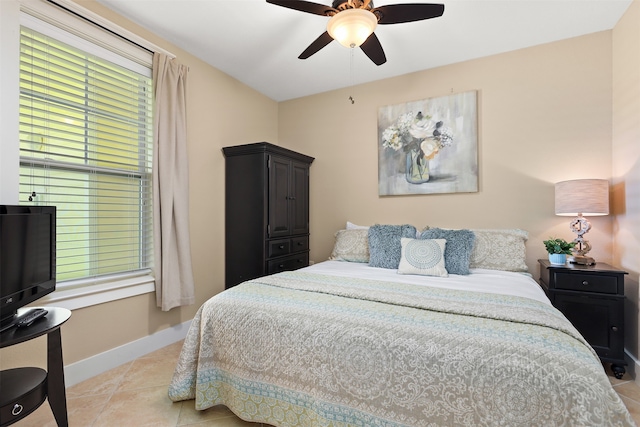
(308, 349)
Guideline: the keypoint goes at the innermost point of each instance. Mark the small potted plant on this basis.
(558, 250)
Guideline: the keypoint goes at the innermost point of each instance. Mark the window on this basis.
(86, 147)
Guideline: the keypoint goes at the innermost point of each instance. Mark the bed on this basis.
(345, 343)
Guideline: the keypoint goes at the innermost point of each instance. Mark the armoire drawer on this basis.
(293, 262)
(279, 247)
(299, 244)
(282, 247)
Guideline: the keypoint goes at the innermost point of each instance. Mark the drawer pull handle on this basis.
(584, 282)
(281, 246)
(281, 266)
(614, 328)
(17, 409)
(299, 243)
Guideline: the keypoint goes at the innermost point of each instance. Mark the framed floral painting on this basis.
(429, 146)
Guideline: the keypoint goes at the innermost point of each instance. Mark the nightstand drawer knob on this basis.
(584, 282)
(614, 328)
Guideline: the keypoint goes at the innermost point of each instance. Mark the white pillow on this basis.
(423, 257)
(352, 226)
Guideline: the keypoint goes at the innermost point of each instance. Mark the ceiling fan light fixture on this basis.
(352, 27)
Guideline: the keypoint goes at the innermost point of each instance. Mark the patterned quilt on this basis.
(306, 349)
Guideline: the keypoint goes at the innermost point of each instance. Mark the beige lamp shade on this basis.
(589, 197)
(351, 27)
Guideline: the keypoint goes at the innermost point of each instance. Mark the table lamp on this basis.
(582, 197)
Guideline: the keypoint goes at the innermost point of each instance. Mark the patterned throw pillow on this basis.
(351, 245)
(457, 255)
(423, 256)
(502, 249)
(384, 244)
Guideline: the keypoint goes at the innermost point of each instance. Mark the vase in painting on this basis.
(417, 168)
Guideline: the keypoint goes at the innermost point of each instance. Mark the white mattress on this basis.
(480, 280)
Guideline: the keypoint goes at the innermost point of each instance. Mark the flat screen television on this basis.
(27, 256)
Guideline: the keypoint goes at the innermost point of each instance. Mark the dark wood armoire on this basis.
(266, 211)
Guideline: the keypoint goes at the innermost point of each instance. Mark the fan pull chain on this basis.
(353, 101)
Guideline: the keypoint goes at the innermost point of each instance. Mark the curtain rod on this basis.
(109, 26)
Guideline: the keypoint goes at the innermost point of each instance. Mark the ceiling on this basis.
(259, 43)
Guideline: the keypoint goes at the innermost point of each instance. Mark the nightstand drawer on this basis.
(587, 283)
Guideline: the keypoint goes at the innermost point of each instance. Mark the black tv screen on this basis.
(27, 256)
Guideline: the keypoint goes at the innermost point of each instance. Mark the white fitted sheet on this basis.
(480, 280)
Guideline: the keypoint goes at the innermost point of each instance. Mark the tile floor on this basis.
(135, 395)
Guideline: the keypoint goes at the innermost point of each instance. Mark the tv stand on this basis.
(25, 389)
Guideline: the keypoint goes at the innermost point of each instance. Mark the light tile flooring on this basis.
(135, 394)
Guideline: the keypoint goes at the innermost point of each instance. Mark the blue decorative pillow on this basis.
(457, 253)
(385, 249)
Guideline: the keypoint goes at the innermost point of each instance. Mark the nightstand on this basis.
(592, 298)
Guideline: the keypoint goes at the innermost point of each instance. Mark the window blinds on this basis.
(86, 147)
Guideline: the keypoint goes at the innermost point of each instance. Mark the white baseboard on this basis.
(95, 365)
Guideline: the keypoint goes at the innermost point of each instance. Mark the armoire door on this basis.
(279, 193)
(299, 198)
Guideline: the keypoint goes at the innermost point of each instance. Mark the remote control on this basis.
(30, 317)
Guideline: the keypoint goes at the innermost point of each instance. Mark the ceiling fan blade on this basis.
(318, 44)
(305, 6)
(373, 49)
(399, 13)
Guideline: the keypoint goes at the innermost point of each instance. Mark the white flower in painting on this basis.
(422, 128)
(444, 135)
(430, 148)
(419, 133)
(391, 138)
(405, 122)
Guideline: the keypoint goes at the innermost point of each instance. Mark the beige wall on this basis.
(626, 161)
(218, 107)
(544, 116)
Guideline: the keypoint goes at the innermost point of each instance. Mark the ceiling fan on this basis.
(353, 21)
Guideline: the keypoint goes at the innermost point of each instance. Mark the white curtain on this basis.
(172, 252)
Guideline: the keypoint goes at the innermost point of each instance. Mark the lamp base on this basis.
(581, 260)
